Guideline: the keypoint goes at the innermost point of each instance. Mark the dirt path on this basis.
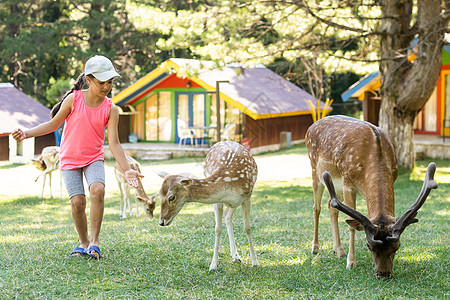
(19, 181)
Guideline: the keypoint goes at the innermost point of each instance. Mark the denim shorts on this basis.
(73, 179)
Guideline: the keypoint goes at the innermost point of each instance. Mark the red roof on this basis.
(17, 110)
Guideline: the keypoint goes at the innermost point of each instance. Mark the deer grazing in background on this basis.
(230, 173)
(360, 158)
(47, 162)
(147, 202)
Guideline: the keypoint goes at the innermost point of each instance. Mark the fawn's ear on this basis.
(185, 181)
(162, 174)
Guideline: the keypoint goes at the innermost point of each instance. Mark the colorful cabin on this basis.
(257, 104)
(433, 119)
(18, 110)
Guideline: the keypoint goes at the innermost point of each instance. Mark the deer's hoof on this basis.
(212, 268)
(340, 252)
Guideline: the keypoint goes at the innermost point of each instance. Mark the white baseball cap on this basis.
(100, 67)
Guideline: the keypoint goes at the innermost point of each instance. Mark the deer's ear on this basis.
(153, 198)
(161, 174)
(355, 224)
(185, 181)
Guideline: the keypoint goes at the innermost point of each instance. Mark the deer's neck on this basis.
(380, 194)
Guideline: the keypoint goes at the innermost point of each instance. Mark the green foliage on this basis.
(52, 39)
(142, 260)
(56, 90)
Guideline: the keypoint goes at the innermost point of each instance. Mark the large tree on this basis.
(407, 85)
(338, 35)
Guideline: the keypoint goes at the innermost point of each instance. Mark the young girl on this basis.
(86, 114)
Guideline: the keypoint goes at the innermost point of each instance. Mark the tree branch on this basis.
(328, 22)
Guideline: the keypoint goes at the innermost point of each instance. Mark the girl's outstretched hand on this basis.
(18, 135)
(132, 177)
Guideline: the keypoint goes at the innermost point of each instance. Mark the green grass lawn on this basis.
(142, 260)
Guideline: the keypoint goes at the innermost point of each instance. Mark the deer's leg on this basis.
(218, 213)
(50, 183)
(318, 192)
(53, 167)
(121, 208)
(247, 227)
(43, 186)
(350, 200)
(229, 222)
(136, 203)
(337, 246)
(127, 198)
(60, 185)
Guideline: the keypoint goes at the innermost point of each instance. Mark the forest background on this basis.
(44, 43)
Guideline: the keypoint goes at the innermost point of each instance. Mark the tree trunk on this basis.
(406, 86)
(400, 127)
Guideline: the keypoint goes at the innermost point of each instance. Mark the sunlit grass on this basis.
(142, 260)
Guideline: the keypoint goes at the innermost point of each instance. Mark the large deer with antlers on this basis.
(360, 158)
(230, 173)
(47, 162)
(147, 202)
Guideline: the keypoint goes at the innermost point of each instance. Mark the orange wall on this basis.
(171, 82)
(175, 82)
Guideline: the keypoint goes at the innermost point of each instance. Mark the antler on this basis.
(409, 217)
(369, 228)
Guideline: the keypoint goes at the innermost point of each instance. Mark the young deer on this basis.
(360, 158)
(147, 202)
(230, 173)
(47, 162)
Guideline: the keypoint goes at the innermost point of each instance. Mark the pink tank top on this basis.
(84, 133)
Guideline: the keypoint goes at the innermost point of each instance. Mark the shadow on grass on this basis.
(10, 166)
(32, 201)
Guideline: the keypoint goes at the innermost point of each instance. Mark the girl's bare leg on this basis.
(78, 204)
(97, 192)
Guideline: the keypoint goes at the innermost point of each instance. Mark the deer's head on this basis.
(174, 194)
(148, 203)
(38, 163)
(383, 233)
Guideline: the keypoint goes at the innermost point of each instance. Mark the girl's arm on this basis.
(49, 126)
(131, 175)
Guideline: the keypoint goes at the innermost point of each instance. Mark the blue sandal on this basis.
(93, 248)
(78, 251)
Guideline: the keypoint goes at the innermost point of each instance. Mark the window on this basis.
(151, 118)
(164, 118)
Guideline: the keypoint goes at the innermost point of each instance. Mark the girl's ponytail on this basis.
(78, 85)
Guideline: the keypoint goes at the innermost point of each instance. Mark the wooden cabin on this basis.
(433, 119)
(259, 106)
(17, 110)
